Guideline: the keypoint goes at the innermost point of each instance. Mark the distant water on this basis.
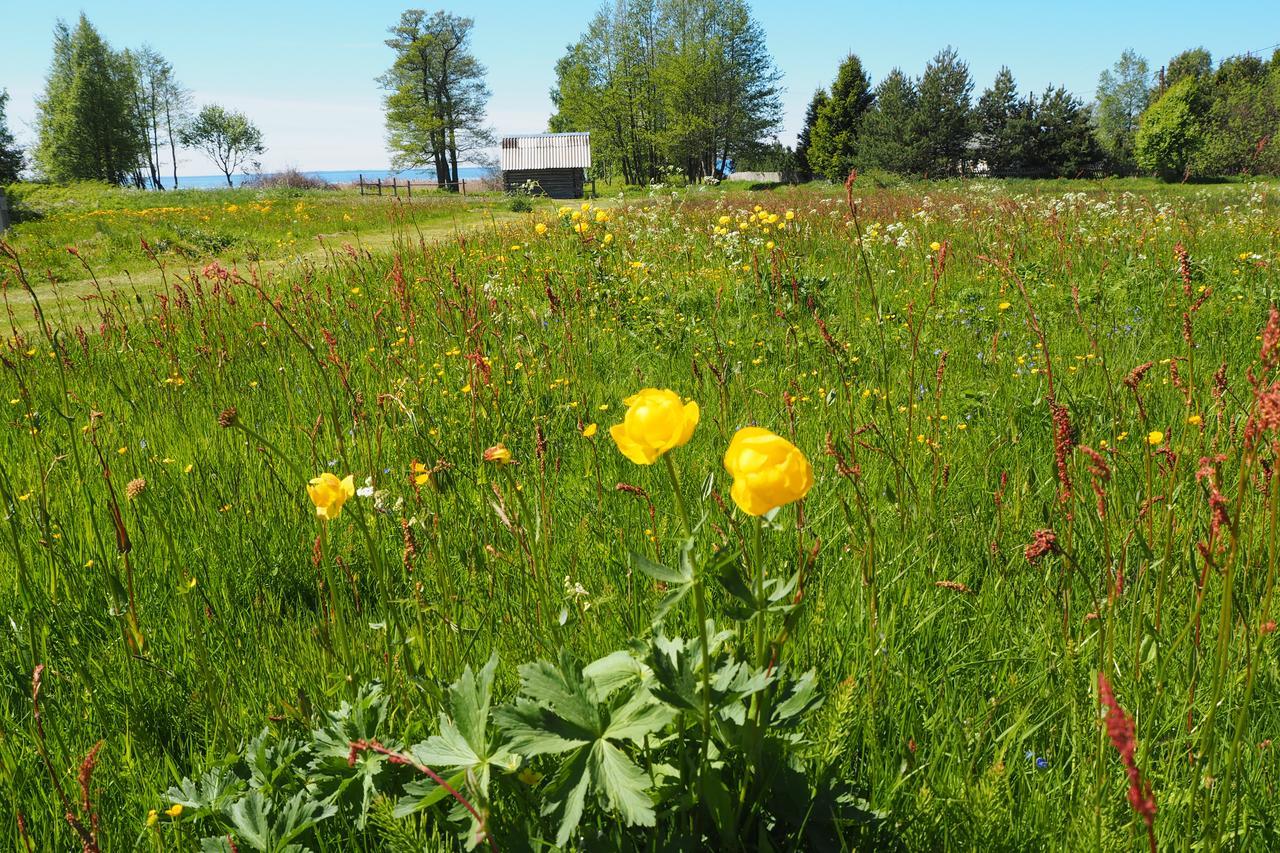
(340, 176)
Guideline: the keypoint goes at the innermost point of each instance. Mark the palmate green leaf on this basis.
(338, 780)
(422, 793)
(623, 783)
(567, 793)
(616, 709)
(533, 729)
(209, 795)
(639, 716)
(463, 742)
(251, 818)
(262, 827)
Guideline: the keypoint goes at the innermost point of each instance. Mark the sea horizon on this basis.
(333, 176)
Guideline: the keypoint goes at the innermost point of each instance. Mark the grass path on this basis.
(68, 302)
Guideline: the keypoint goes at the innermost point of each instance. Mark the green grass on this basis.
(940, 699)
(184, 227)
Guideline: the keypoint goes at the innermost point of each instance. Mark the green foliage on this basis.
(86, 124)
(437, 95)
(995, 120)
(888, 140)
(669, 83)
(1051, 136)
(11, 158)
(226, 137)
(1242, 124)
(805, 170)
(942, 119)
(941, 656)
(1193, 64)
(1171, 132)
(1124, 93)
(833, 146)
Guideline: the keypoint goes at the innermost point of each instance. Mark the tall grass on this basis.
(1008, 504)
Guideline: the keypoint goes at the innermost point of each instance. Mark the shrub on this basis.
(1170, 133)
(290, 178)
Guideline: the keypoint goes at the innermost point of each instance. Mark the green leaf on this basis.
(623, 783)
(251, 818)
(422, 793)
(639, 716)
(658, 572)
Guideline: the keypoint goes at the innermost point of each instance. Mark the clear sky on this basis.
(305, 70)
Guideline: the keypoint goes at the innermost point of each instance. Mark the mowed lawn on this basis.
(1041, 420)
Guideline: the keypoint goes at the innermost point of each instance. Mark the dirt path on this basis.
(63, 302)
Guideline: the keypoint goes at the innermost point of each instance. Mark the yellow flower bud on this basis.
(498, 454)
(768, 471)
(656, 421)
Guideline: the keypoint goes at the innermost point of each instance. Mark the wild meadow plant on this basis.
(944, 517)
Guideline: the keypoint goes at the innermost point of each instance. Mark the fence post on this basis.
(379, 186)
(362, 184)
(4, 212)
(395, 190)
(463, 186)
(408, 187)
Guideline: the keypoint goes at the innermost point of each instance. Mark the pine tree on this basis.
(804, 169)
(889, 140)
(942, 113)
(833, 145)
(997, 148)
(86, 123)
(10, 153)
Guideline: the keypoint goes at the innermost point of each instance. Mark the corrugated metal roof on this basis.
(547, 151)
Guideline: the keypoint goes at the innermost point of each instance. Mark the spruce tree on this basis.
(833, 145)
(86, 123)
(804, 169)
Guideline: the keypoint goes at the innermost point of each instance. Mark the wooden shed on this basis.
(554, 162)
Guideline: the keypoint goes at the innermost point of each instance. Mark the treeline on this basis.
(683, 86)
(1187, 120)
(120, 117)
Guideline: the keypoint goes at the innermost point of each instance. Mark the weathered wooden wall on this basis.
(556, 183)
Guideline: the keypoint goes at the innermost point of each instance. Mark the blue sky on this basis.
(304, 69)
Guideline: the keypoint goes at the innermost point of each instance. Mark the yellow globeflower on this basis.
(657, 420)
(540, 228)
(768, 471)
(1155, 437)
(329, 493)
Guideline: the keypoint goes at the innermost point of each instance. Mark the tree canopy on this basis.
(435, 109)
(227, 138)
(683, 85)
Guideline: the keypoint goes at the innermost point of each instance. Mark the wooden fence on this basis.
(376, 186)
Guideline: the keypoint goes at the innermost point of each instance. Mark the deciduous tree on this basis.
(436, 107)
(227, 138)
(1124, 92)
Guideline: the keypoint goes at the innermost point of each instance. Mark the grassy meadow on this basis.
(1041, 420)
